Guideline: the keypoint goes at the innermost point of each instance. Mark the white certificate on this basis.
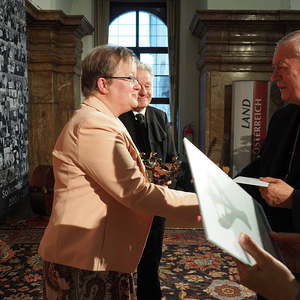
(251, 181)
(227, 210)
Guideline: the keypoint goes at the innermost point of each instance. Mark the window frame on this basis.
(159, 9)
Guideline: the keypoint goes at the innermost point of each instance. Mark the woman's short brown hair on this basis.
(102, 62)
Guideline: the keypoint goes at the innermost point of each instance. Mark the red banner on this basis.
(249, 117)
(259, 113)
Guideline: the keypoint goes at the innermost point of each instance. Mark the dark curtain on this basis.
(101, 21)
(173, 23)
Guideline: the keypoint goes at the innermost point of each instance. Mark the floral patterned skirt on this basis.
(67, 283)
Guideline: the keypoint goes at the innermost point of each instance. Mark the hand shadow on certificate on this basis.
(227, 213)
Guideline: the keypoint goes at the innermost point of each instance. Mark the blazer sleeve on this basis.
(107, 157)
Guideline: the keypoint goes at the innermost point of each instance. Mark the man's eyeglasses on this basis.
(132, 80)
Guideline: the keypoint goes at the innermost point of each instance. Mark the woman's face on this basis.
(123, 92)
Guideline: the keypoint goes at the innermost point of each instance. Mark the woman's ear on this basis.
(102, 85)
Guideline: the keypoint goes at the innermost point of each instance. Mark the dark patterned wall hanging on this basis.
(13, 103)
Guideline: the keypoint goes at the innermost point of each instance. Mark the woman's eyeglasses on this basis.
(132, 80)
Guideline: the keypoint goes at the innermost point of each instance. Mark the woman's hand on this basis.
(289, 244)
(269, 277)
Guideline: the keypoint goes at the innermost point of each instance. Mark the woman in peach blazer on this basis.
(103, 202)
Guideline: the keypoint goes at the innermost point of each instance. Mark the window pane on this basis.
(152, 31)
(159, 63)
(161, 87)
(165, 108)
(122, 31)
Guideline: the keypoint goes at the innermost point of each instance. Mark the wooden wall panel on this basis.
(54, 61)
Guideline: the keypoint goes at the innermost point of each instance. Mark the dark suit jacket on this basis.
(273, 161)
(159, 132)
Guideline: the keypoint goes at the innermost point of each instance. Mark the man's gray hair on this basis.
(294, 35)
(144, 67)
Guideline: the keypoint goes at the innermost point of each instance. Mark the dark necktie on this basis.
(140, 119)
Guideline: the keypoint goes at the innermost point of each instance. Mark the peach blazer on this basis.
(103, 203)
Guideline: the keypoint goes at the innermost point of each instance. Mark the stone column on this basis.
(54, 67)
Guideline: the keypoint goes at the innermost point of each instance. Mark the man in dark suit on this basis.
(277, 164)
(151, 132)
(279, 160)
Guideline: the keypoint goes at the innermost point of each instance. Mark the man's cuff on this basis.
(296, 209)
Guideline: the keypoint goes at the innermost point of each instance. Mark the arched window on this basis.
(147, 35)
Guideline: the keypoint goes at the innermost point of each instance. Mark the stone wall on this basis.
(13, 104)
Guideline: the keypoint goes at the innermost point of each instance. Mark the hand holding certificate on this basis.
(251, 181)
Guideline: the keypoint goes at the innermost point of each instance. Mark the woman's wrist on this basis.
(294, 291)
(288, 290)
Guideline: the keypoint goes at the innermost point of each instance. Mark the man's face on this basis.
(286, 72)
(145, 93)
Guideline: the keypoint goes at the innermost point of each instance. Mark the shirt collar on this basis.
(143, 111)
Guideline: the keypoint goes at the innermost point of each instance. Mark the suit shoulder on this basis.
(286, 111)
(90, 118)
(157, 111)
(126, 116)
